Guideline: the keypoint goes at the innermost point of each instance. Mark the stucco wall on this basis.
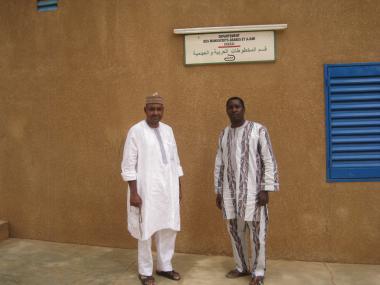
(73, 82)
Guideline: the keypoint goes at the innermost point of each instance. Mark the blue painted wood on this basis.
(355, 97)
(351, 131)
(354, 89)
(352, 96)
(354, 106)
(366, 122)
(47, 8)
(354, 80)
(351, 174)
(359, 139)
(47, 2)
(354, 114)
(357, 156)
(355, 148)
(47, 5)
(354, 164)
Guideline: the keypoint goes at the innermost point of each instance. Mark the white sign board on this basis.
(229, 47)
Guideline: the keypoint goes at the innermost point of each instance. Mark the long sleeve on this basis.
(269, 179)
(219, 168)
(179, 167)
(176, 156)
(130, 155)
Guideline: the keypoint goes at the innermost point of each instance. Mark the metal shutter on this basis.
(353, 121)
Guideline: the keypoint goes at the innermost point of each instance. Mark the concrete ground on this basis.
(38, 263)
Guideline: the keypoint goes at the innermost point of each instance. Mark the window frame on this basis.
(328, 120)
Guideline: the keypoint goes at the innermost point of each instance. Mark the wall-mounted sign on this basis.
(229, 47)
(230, 44)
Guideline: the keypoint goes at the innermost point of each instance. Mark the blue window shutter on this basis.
(353, 121)
(47, 5)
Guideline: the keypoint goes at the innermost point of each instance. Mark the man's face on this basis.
(154, 113)
(235, 111)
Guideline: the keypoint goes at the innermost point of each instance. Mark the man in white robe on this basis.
(152, 169)
(245, 171)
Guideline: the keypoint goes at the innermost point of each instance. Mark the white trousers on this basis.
(165, 244)
(238, 230)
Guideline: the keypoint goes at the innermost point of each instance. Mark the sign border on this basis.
(237, 62)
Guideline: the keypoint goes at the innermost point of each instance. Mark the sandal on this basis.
(236, 274)
(147, 280)
(172, 275)
(257, 281)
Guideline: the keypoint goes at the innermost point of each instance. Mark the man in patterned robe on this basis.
(245, 171)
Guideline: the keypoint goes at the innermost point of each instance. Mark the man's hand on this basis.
(135, 199)
(219, 201)
(262, 198)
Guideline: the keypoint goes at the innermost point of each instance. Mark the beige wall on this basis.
(73, 82)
